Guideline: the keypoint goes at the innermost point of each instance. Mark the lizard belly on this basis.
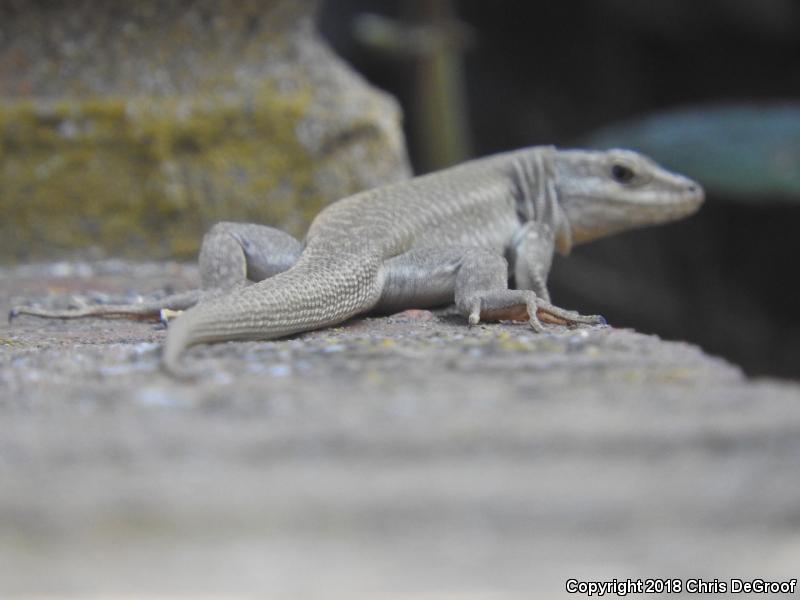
(418, 280)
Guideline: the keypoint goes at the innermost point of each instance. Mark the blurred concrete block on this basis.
(130, 128)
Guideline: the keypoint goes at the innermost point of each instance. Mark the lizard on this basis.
(458, 235)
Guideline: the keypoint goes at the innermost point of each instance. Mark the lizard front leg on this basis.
(232, 254)
(530, 256)
(481, 293)
(476, 279)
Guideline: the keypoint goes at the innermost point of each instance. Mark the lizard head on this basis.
(605, 192)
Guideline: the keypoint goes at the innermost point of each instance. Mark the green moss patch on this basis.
(146, 177)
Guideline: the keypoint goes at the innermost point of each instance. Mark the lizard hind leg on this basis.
(233, 254)
(143, 311)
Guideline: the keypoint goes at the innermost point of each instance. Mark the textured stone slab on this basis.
(387, 457)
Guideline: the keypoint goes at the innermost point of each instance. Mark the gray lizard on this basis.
(457, 235)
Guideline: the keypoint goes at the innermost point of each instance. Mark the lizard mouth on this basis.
(678, 206)
(682, 203)
(594, 219)
(691, 198)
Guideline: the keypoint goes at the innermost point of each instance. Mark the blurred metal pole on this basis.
(430, 35)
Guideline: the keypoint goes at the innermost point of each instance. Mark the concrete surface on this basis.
(391, 457)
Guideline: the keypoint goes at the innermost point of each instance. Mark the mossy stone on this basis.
(226, 111)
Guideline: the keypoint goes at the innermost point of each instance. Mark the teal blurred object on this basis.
(748, 152)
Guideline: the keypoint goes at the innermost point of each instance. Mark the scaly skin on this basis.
(477, 207)
(456, 235)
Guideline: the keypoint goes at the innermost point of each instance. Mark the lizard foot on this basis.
(558, 316)
(165, 315)
(522, 305)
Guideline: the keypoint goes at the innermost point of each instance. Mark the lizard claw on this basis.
(591, 320)
(165, 315)
(475, 312)
(536, 324)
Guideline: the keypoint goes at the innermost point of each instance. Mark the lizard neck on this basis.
(536, 194)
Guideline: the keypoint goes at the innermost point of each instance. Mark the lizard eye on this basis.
(622, 174)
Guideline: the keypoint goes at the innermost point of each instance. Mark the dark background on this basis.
(520, 73)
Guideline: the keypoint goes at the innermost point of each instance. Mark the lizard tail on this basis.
(313, 294)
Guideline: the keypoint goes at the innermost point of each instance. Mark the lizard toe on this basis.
(534, 322)
(590, 320)
(536, 325)
(165, 315)
(474, 308)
